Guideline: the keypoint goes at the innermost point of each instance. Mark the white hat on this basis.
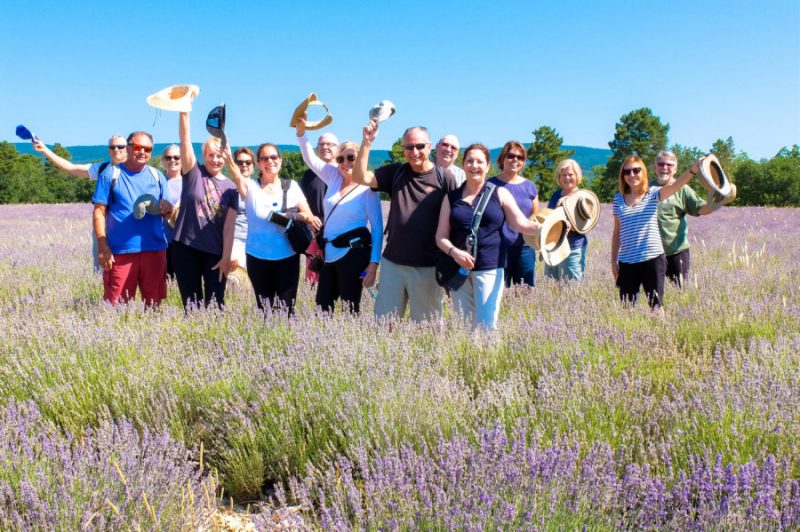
(583, 210)
(713, 178)
(551, 239)
(382, 110)
(175, 98)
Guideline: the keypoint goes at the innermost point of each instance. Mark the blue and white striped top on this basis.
(639, 238)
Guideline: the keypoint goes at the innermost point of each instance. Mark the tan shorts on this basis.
(399, 286)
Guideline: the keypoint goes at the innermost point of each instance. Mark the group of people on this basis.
(203, 225)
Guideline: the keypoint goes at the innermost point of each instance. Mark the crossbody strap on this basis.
(483, 201)
(328, 217)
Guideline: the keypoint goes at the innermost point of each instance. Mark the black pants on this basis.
(343, 279)
(648, 274)
(678, 267)
(274, 281)
(170, 267)
(195, 276)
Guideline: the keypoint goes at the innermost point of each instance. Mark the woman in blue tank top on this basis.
(478, 299)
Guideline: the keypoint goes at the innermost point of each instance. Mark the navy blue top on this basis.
(524, 194)
(575, 239)
(491, 244)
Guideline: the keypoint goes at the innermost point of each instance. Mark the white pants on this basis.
(478, 300)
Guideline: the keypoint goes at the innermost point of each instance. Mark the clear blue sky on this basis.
(75, 72)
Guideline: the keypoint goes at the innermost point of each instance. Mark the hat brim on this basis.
(382, 110)
(311, 99)
(146, 203)
(215, 124)
(582, 208)
(713, 178)
(175, 98)
(551, 239)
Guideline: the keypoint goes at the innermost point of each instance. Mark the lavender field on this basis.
(578, 414)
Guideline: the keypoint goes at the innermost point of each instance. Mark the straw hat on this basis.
(713, 178)
(175, 98)
(382, 110)
(238, 280)
(551, 239)
(583, 210)
(311, 99)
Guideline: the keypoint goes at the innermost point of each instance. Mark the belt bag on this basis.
(360, 237)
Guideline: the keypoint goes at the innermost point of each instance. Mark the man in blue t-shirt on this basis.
(131, 251)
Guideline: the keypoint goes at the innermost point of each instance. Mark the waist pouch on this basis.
(360, 237)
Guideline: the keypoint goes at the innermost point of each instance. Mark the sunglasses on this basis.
(666, 165)
(515, 157)
(265, 158)
(326, 144)
(632, 171)
(139, 147)
(245, 162)
(116, 147)
(172, 157)
(341, 158)
(419, 146)
(448, 146)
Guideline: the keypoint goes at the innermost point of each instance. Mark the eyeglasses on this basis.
(419, 146)
(632, 171)
(448, 146)
(666, 165)
(245, 162)
(116, 147)
(327, 144)
(514, 157)
(139, 147)
(341, 158)
(265, 158)
(172, 157)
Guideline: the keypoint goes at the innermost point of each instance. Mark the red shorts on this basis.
(146, 270)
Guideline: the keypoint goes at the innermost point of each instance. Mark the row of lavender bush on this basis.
(291, 402)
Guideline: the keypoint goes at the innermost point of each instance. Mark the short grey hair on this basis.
(171, 146)
(666, 154)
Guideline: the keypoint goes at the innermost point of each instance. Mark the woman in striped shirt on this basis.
(637, 255)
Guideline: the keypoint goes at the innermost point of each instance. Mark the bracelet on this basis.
(450, 251)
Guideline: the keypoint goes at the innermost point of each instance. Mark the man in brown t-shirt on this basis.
(416, 189)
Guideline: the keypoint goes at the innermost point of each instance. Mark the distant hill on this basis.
(586, 157)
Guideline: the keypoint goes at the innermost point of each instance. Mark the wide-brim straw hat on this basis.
(311, 99)
(382, 110)
(713, 178)
(175, 98)
(551, 239)
(239, 280)
(582, 208)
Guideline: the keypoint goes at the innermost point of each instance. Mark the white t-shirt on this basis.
(266, 240)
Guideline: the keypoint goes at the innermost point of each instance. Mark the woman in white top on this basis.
(352, 252)
(272, 265)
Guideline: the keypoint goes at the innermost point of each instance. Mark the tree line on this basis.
(26, 178)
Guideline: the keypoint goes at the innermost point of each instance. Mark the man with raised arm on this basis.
(314, 190)
(416, 189)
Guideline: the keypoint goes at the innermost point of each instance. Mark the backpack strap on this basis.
(285, 184)
(115, 172)
(483, 201)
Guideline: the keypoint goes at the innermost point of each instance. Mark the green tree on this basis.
(396, 154)
(544, 154)
(639, 132)
(293, 166)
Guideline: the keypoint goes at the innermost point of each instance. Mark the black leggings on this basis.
(274, 281)
(343, 279)
(193, 272)
(649, 274)
(678, 267)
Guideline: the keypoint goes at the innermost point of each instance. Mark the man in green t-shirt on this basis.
(672, 218)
